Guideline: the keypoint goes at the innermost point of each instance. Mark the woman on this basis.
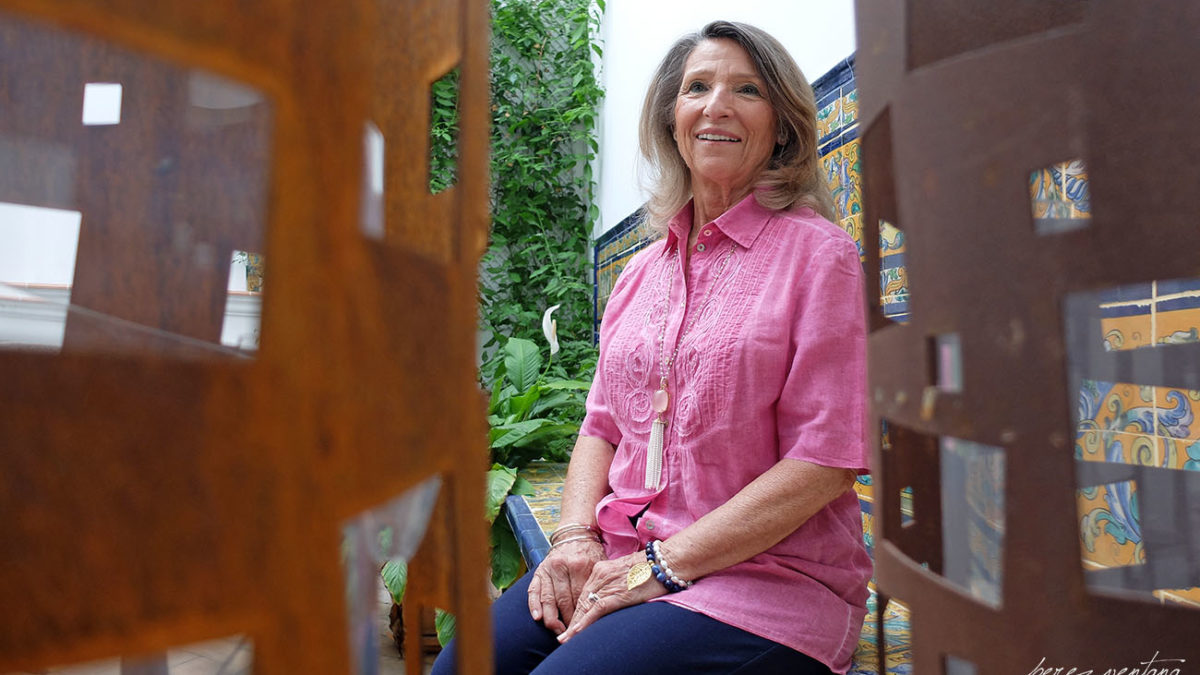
(707, 520)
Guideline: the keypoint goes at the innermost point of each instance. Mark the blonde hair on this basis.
(792, 177)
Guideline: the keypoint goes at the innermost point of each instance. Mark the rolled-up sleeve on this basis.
(822, 408)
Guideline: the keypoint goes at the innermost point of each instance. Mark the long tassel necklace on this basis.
(661, 400)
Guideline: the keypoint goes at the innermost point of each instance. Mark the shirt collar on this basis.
(743, 222)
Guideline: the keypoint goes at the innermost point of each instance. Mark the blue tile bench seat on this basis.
(530, 519)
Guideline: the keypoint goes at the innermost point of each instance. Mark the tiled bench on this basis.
(531, 517)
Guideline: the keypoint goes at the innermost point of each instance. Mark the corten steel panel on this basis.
(152, 496)
(958, 108)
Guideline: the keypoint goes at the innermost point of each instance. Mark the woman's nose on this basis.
(719, 102)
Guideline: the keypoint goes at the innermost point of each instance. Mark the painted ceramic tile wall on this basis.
(1126, 423)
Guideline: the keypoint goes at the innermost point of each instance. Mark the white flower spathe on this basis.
(550, 329)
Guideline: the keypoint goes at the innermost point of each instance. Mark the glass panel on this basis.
(233, 655)
(1060, 198)
(376, 546)
(973, 517)
(127, 221)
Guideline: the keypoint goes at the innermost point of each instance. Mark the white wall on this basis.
(637, 33)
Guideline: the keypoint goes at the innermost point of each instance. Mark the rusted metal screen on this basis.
(986, 395)
(158, 487)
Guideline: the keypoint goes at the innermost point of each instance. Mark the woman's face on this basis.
(724, 126)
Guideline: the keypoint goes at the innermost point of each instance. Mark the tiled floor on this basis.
(230, 656)
(547, 480)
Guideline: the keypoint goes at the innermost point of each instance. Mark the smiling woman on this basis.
(725, 128)
(707, 523)
(674, 105)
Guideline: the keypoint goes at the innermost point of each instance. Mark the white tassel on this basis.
(654, 453)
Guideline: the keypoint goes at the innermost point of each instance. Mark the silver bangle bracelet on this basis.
(571, 527)
(571, 539)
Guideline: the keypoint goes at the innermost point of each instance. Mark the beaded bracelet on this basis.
(571, 527)
(661, 571)
(662, 560)
(571, 539)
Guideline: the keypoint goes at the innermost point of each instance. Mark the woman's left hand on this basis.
(608, 582)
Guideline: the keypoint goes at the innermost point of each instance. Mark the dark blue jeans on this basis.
(654, 638)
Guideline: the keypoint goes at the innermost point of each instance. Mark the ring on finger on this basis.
(593, 597)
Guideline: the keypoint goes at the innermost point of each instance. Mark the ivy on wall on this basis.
(545, 99)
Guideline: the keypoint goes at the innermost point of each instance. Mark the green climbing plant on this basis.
(545, 100)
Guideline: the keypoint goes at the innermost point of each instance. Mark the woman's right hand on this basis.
(558, 582)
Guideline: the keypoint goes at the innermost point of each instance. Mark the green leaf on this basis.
(522, 487)
(494, 402)
(500, 480)
(520, 406)
(506, 555)
(395, 579)
(522, 362)
(443, 622)
(556, 399)
(508, 434)
(547, 432)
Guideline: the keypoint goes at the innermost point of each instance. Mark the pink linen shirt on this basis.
(772, 366)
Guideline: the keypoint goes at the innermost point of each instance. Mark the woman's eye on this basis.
(750, 89)
(696, 87)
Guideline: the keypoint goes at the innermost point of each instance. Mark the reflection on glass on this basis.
(972, 480)
(127, 221)
(376, 546)
(233, 655)
(1060, 198)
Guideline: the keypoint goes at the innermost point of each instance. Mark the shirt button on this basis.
(700, 247)
(708, 233)
(649, 525)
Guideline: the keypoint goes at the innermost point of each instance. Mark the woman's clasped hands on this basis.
(558, 582)
(607, 590)
(575, 585)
